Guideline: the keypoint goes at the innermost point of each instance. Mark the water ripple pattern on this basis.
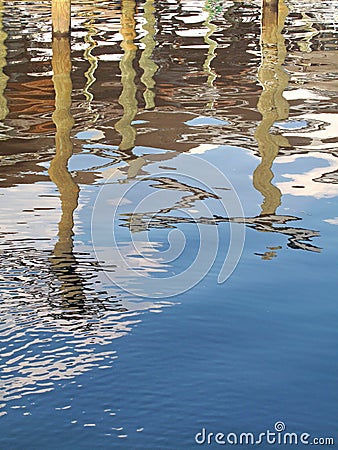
(100, 190)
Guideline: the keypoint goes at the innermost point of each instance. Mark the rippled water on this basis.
(160, 136)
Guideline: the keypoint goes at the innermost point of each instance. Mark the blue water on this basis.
(104, 343)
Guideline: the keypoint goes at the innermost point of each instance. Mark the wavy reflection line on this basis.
(92, 60)
(298, 238)
(271, 104)
(212, 44)
(3, 77)
(127, 98)
(146, 63)
(63, 261)
(309, 31)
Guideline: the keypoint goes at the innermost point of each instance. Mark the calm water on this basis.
(182, 138)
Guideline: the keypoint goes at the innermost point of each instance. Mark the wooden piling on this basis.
(269, 20)
(61, 11)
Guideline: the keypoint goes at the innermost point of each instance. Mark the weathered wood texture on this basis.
(61, 12)
(269, 20)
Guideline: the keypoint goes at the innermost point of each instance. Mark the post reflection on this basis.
(92, 60)
(127, 98)
(212, 44)
(63, 262)
(3, 76)
(272, 105)
(146, 63)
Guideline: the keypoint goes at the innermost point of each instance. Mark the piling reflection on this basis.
(127, 98)
(212, 44)
(272, 105)
(92, 60)
(3, 76)
(63, 262)
(146, 62)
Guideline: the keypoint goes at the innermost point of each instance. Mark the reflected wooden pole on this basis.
(272, 105)
(63, 261)
(3, 76)
(91, 59)
(63, 119)
(61, 12)
(127, 98)
(212, 47)
(146, 63)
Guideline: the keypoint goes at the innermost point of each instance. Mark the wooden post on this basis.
(269, 20)
(61, 17)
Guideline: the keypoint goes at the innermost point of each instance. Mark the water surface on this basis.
(163, 113)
